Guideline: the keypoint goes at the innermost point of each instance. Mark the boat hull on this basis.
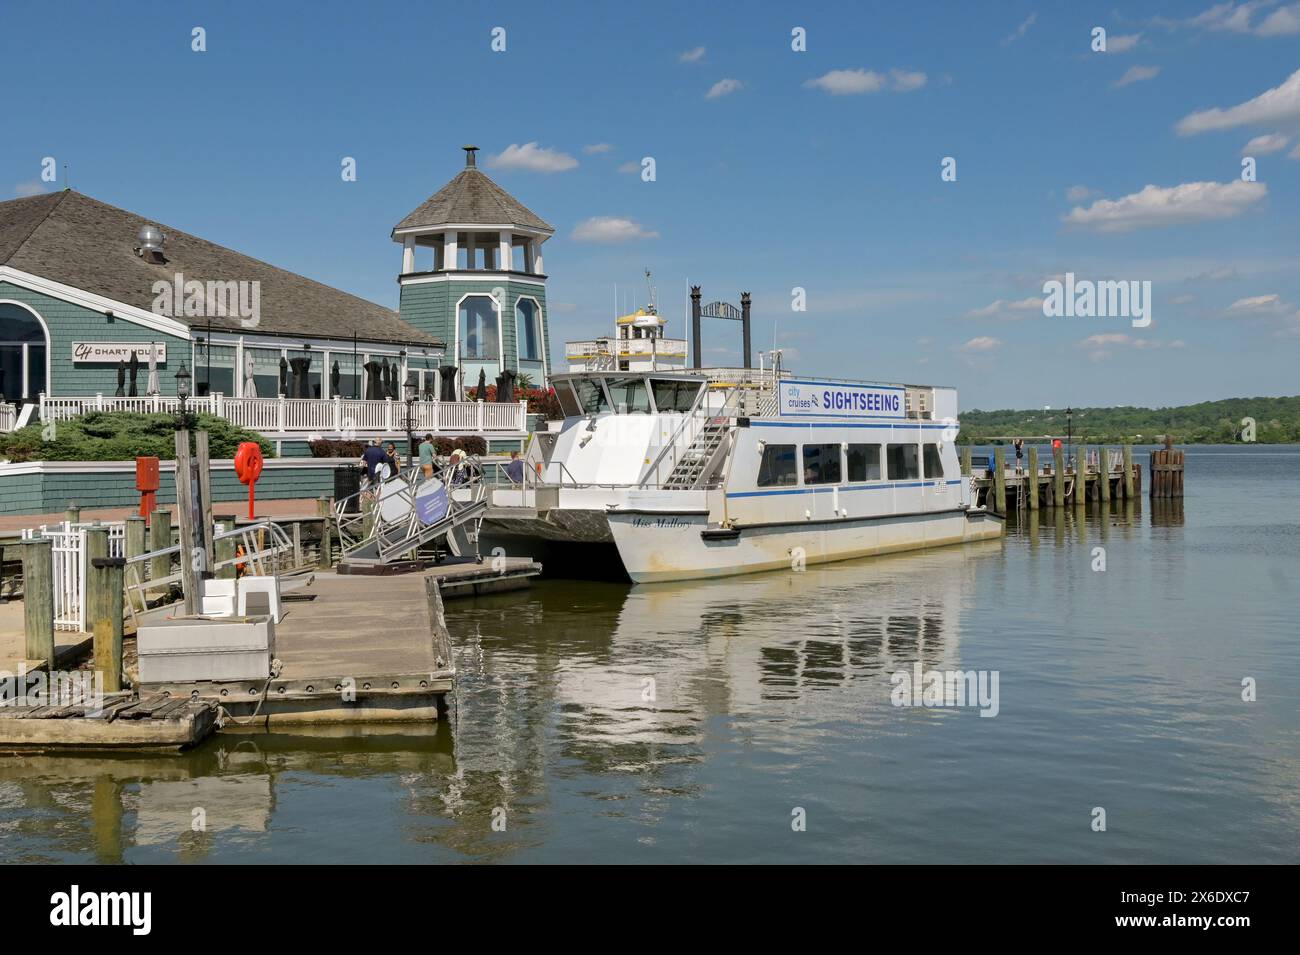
(664, 545)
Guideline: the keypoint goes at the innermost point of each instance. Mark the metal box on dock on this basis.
(194, 649)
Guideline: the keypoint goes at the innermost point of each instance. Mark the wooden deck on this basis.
(154, 722)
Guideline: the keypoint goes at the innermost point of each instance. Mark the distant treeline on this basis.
(1275, 421)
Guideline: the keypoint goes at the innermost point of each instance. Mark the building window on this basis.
(933, 463)
(864, 462)
(821, 464)
(22, 354)
(528, 330)
(778, 467)
(903, 462)
(214, 369)
(479, 334)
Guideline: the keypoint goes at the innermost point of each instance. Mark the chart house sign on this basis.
(117, 351)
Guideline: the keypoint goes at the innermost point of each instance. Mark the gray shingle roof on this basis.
(473, 199)
(75, 240)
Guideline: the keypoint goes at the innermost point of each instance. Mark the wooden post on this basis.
(1032, 478)
(185, 513)
(965, 461)
(96, 598)
(1103, 474)
(323, 509)
(224, 548)
(297, 543)
(205, 497)
(135, 530)
(999, 479)
(73, 514)
(1058, 477)
(38, 599)
(160, 538)
(1128, 472)
(106, 625)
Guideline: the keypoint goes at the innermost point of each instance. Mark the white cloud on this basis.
(1259, 305)
(1010, 310)
(1263, 145)
(1020, 30)
(1281, 22)
(1101, 347)
(1078, 193)
(1227, 17)
(848, 82)
(1136, 74)
(32, 187)
(1279, 105)
(630, 167)
(905, 81)
(1159, 206)
(597, 148)
(532, 157)
(1122, 44)
(1182, 300)
(692, 56)
(611, 229)
(984, 343)
(724, 87)
(1223, 273)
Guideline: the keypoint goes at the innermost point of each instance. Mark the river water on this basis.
(751, 719)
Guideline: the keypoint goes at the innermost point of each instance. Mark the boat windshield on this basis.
(673, 395)
(629, 395)
(591, 396)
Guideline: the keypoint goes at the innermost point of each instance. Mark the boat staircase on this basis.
(398, 518)
(697, 460)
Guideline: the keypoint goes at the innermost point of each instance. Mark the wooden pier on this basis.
(151, 722)
(1107, 475)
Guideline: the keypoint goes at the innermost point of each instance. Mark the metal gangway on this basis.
(393, 519)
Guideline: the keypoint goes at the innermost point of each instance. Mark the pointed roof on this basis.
(72, 239)
(472, 199)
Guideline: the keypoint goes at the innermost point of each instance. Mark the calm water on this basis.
(1118, 689)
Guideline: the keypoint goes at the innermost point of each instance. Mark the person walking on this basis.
(394, 460)
(515, 469)
(426, 456)
(372, 458)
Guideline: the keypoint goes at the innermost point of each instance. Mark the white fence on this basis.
(69, 553)
(313, 415)
(8, 417)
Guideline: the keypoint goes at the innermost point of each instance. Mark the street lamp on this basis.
(409, 389)
(183, 393)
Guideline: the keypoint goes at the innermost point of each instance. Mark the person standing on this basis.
(426, 456)
(515, 469)
(393, 459)
(372, 458)
(1020, 453)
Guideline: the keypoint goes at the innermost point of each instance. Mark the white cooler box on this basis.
(193, 649)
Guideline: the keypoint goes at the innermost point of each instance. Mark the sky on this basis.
(813, 175)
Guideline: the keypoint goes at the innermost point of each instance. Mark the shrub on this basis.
(332, 448)
(470, 444)
(122, 436)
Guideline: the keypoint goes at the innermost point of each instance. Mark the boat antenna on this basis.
(651, 306)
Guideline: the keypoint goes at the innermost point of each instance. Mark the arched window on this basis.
(22, 354)
(528, 330)
(479, 335)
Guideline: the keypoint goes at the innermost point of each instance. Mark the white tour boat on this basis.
(693, 473)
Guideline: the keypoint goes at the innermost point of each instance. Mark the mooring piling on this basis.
(38, 599)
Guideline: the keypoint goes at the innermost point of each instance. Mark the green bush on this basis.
(122, 436)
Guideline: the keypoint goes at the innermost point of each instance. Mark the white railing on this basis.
(314, 415)
(8, 417)
(69, 560)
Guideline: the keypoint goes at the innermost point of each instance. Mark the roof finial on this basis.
(469, 154)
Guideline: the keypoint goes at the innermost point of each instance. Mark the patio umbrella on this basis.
(121, 378)
(384, 379)
(334, 378)
(447, 375)
(151, 387)
(135, 372)
(371, 369)
(394, 390)
(481, 393)
(304, 377)
(284, 376)
(250, 386)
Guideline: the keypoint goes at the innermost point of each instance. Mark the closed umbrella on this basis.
(481, 394)
(151, 387)
(121, 378)
(384, 380)
(334, 378)
(284, 376)
(304, 378)
(250, 386)
(135, 372)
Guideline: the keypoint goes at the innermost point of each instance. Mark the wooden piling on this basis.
(1103, 474)
(1000, 479)
(96, 598)
(1031, 479)
(160, 538)
(1058, 477)
(191, 546)
(135, 533)
(38, 599)
(965, 461)
(323, 509)
(105, 574)
(73, 514)
(1128, 472)
(205, 497)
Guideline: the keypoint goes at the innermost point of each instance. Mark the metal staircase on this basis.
(699, 456)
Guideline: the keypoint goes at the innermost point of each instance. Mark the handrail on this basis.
(672, 441)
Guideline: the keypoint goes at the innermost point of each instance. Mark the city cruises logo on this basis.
(1084, 298)
(190, 298)
(935, 688)
(82, 688)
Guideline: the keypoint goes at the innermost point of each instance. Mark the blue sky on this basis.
(817, 169)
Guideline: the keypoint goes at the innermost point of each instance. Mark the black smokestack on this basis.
(695, 327)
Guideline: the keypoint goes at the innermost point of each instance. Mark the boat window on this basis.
(864, 462)
(821, 464)
(568, 403)
(675, 395)
(590, 395)
(903, 463)
(778, 467)
(933, 464)
(629, 395)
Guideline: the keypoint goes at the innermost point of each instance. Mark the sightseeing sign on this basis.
(821, 398)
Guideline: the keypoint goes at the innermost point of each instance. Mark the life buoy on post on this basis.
(248, 468)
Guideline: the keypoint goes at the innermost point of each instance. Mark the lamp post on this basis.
(409, 389)
(1069, 431)
(183, 393)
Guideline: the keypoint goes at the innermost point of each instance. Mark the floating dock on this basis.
(1111, 475)
(152, 722)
